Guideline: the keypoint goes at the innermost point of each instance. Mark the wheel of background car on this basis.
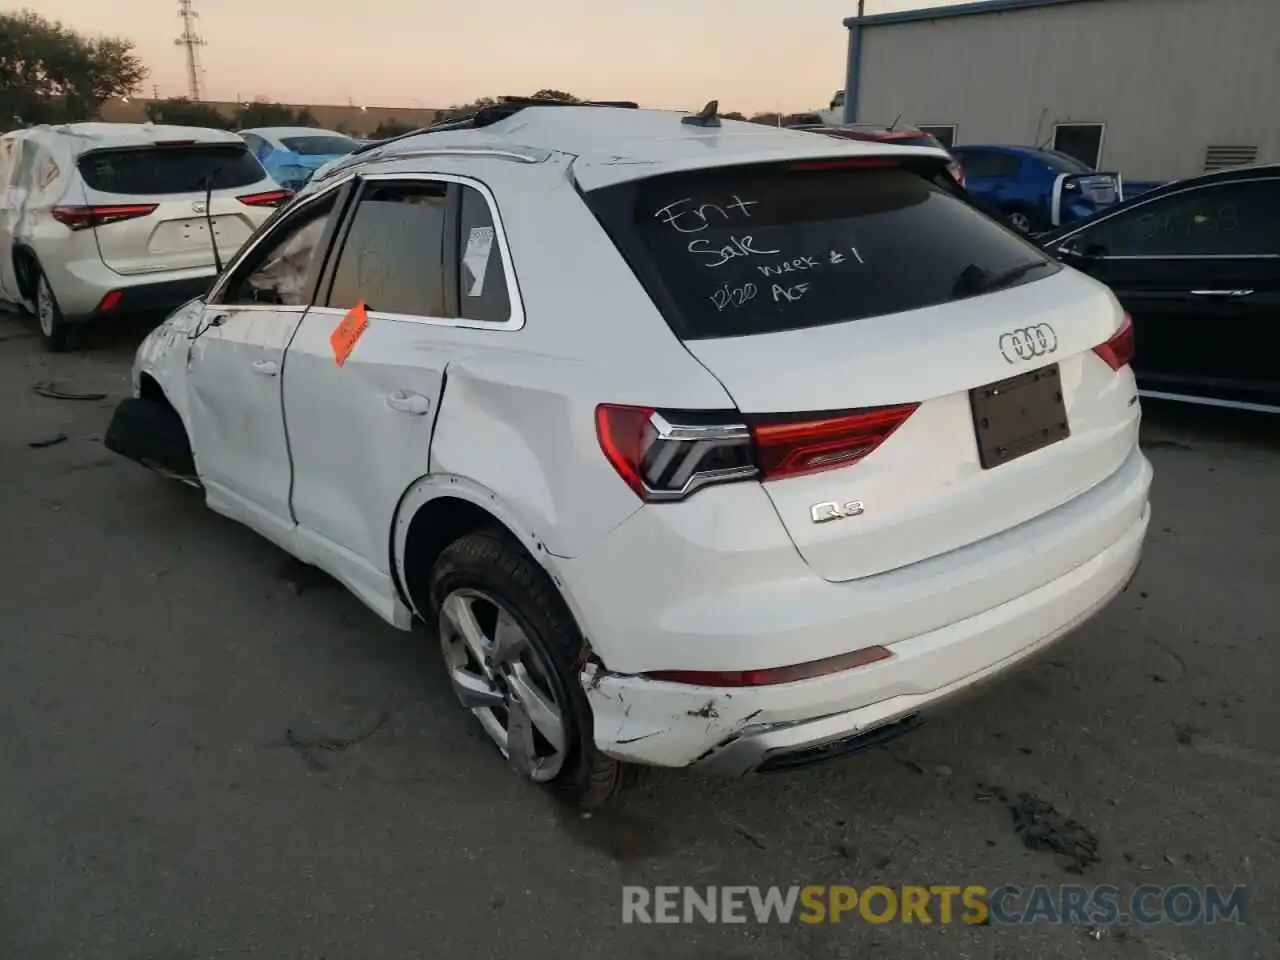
(1020, 220)
(511, 648)
(53, 327)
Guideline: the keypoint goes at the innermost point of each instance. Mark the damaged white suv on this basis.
(705, 444)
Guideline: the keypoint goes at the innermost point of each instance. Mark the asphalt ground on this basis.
(207, 752)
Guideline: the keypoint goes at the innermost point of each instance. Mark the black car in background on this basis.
(1197, 265)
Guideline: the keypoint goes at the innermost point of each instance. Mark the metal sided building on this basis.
(1155, 89)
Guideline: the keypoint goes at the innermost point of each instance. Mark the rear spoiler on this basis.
(1059, 185)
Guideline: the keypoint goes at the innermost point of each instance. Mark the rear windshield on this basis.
(160, 170)
(762, 249)
(326, 146)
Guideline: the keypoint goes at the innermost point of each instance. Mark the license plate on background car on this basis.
(1018, 416)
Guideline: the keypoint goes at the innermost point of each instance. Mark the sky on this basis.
(751, 55)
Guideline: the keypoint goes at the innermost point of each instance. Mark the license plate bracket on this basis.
(1018, 416)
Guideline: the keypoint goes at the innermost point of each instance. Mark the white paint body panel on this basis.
(959, 572)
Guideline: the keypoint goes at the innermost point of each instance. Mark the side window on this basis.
(978, 165)
(392, 257)
(8, 148)
(26, 164)
(482, 279)
(254, 143)
(1230, 219)
(277, 271)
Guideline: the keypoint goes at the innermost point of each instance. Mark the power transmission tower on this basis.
(192, 41)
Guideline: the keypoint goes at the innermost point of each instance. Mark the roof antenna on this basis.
(707, 117)
(893, 126)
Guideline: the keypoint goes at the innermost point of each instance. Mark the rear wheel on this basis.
(54, 329)
(511, 649)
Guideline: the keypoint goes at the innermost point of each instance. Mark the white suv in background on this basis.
(102, 219)
(700, 443)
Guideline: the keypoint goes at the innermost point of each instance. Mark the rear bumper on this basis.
(80, 286)
(740, 731)
(1012, 596)
(155, 298)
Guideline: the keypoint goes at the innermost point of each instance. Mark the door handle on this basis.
(1222, 293)
(413, 403)
(266, 368)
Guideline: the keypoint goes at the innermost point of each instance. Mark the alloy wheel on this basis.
(499, 675)
(44, 307)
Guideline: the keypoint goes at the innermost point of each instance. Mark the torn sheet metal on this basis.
(662, 727)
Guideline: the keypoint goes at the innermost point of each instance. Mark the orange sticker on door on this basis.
(347, 334)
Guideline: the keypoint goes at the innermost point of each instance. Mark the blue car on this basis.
(1036, 189)
(292, 155)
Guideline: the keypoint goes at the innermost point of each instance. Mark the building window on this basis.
(1080, 140)
(1223, 157)
(944, 133)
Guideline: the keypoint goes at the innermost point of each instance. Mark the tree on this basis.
(733, 115)
(184, 112)
(559, 95)
(51, 74)
(769, 119)
(265, 113)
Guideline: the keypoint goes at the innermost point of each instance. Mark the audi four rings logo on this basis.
(1028, 343)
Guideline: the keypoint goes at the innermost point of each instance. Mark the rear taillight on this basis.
(81, 217)
(110, 301)
(957, 172)
(1118, 351)
(793, 444)
(666, 456)
(270, 198)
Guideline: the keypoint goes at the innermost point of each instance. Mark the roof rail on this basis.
(492, 113)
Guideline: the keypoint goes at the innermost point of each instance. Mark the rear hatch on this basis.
(159, 193)
(915, 376)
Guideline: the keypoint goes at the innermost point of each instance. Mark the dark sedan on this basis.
(1197, 265)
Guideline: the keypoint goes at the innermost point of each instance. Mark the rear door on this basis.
(845, 308)
(365, 372)
(167, 184)
(1200, 272)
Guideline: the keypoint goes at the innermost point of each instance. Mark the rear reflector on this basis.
(271, 198)
(1118, 351)
(81, 217)
(774, 675)
(796, 444)
(110, 301)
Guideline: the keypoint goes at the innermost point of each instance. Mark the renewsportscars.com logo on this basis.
(937, 904)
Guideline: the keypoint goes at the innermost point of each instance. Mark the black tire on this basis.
(1023, 221)
(488, 560)
(151, 432)
(56, 333)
